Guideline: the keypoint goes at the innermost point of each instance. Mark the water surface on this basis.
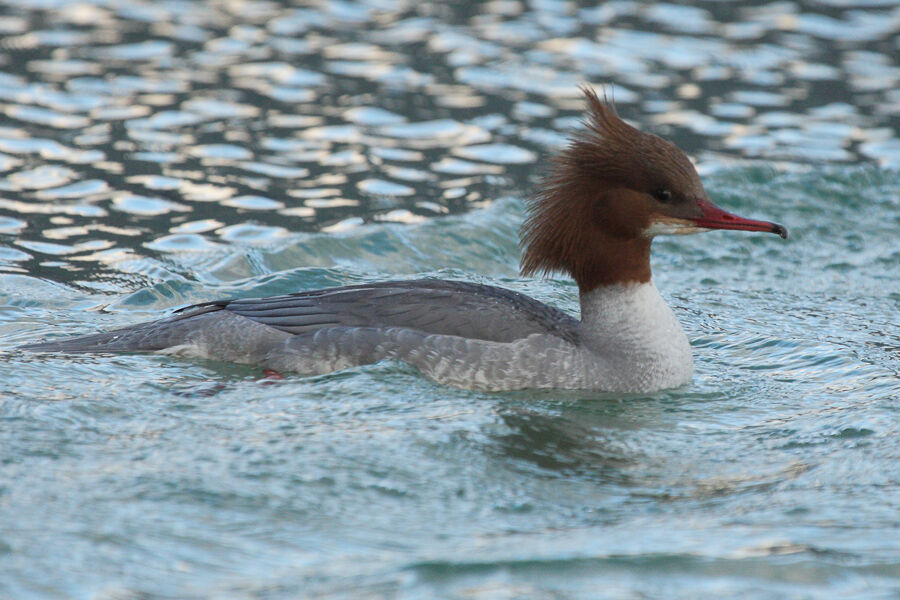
(153, 155)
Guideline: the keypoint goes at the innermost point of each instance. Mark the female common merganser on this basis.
(607, 195)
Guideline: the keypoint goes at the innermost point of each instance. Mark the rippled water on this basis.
(155, 154)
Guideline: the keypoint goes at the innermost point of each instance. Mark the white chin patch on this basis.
(672, 227)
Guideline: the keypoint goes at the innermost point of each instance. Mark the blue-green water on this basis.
(155, 155)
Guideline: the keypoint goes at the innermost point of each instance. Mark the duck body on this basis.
(594, 217)
(457, 333)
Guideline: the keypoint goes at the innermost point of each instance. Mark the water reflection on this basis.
(564, 444)
(132, 115)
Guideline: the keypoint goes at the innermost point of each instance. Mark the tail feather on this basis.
(143, 337)
(207, 333)
(139, 338)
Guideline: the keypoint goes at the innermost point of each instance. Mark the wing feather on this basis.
(434, 306)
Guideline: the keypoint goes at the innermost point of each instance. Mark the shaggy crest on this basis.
(582, 221)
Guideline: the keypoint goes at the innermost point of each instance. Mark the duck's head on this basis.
(608, 194)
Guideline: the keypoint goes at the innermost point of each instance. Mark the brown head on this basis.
(608, 193)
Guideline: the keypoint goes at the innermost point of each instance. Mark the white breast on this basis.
(638, 342)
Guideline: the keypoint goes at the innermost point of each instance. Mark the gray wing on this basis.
(442, 307)
(240, 329)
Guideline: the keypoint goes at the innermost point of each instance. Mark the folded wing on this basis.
(434, 306)
(452, 308)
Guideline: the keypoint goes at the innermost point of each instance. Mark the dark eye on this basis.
(663, 195)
